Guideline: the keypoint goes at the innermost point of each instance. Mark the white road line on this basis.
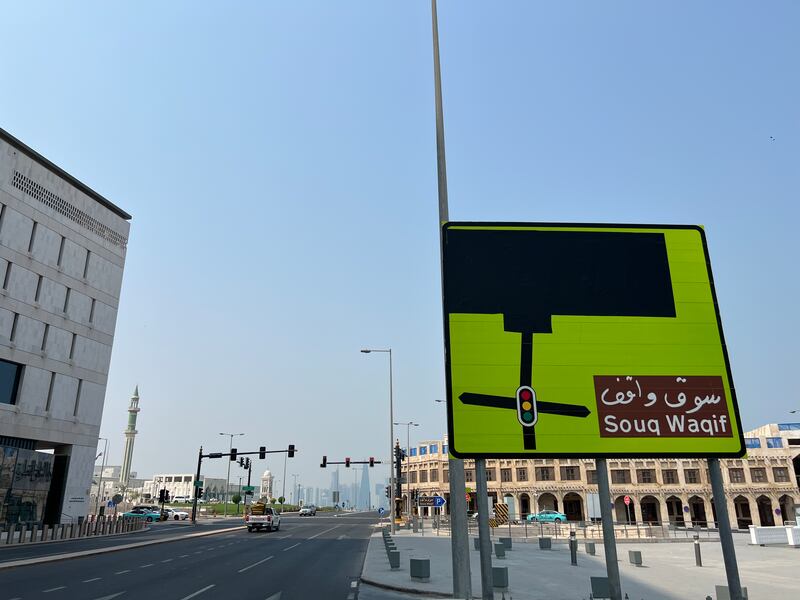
(275, 596)
(353, 584)
(166, 560)
(255, 564)
(283, 538)
(198, 551)
(122, 572)
(147, 565)
(321, 532)
(55, 589)
(290, 547)
(198, 592)
(91, 580)
(184, 556)
(111, 596)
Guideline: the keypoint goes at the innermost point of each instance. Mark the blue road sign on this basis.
(431, 501)
(381, 511)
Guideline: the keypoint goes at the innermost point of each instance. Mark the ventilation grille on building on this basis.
(12, 442)
(60, 205)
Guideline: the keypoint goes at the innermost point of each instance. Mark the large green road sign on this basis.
(585, 340)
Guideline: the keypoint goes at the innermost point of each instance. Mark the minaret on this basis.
(130, 435)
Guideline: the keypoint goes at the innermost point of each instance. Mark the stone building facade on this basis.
(761, 489)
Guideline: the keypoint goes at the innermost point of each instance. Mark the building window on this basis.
(9, 381)
(505, 475)
(423, 476)
(736, 475)
(788, 426)
(545, 474)
(570, 473)
(187, 478)
(752, 442)
(591, 476)
(446, 475)
(691, 475)
(433, 448)
(646, 475)
(758, 475)
(413, 452)
(444, 448)
(620, 476)
(413, 477)
(781, 474)
(167, 479)
(490, 474)
(522, 473)
(434, 475)
(469, 475)
(423, 450)
(774, 442)
(670, 476)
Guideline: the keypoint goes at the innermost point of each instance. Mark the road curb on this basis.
(82, 553)
(405, 590)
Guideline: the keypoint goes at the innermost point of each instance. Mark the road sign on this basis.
(627, 500)
(248, 488)
(116, 499)
(431, 501)
(110, 504)
(198, 483)
(381, 511)
(585, 340)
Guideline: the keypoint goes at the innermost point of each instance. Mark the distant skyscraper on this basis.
(363, 493)
(335, 480)
(130, 435)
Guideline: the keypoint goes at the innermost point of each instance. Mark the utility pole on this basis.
(459, 535)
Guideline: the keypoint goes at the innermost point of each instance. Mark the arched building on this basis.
(266, 484)
(761, 489)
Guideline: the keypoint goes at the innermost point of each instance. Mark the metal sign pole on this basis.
(725, 534)
(459, 534)
(609, 543)
(484, 543)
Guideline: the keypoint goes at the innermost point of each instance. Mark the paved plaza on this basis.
(668, 570)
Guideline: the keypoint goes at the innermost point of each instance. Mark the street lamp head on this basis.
(437, 400)
(365, 350)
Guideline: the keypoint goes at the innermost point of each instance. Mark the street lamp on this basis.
(408, 466)
(228, 478)
(391, 435)
(102, 469)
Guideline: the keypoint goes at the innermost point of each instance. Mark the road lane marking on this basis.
(321, 532)
(147, 565)
(166, 560)
(283, 538)
(91, 580)
(184, 556)
(275, 596)
(122, 572)
(198, 551)
(290, 547)
(55, 589)
(111, 596)
(255, 564)
(198, 592)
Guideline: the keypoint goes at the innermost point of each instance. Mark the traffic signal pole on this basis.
(196, 479)
(459, 535)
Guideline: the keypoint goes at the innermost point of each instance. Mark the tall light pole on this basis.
(100, 481)
(391, 435)
(283, 493)
(228, 478)
(408, 469)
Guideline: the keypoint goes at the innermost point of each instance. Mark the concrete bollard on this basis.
(420, 569)
(723, 593)
(394, 559)
(500, 578)
(545, 543)
(476, 544)
(12, 529)
(22, 533)
(635, 556)
(499, 550)
(506, 541)
(590, 549)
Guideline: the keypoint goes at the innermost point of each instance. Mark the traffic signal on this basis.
(347, 462)
(388, 491)
(241, 461)
(291, 450)
(233, 454)
(371, 461)
(161, 495)
(527, 414)
(199, 492)
(247, 463)
(262, 452)
(166, 495)
(324, 462)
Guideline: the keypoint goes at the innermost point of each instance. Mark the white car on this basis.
(177, 515)
(267, 518)
(308, 511)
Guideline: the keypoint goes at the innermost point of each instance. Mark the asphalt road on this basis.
(310, 557)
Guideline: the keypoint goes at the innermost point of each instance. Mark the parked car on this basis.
(176, 515)
(181, 499)
(548, 516)
(308, 511)
(144, 513)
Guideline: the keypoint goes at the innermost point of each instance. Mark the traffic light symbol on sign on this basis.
(526, 406)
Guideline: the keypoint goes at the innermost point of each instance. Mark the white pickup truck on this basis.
(260, 517)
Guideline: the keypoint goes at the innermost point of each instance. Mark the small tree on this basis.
(273, 500)
(281, 499)
(236, 498)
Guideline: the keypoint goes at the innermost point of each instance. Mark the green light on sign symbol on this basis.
(527, 417)
(526, 406)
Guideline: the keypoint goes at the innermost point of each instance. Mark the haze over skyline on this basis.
(279, 164)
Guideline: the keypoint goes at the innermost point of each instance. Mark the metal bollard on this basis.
(698, 560)
(573, 549)
(499, 550)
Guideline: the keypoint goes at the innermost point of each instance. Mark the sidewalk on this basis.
(669, 570)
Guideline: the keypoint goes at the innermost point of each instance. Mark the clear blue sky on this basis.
(279, 161)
